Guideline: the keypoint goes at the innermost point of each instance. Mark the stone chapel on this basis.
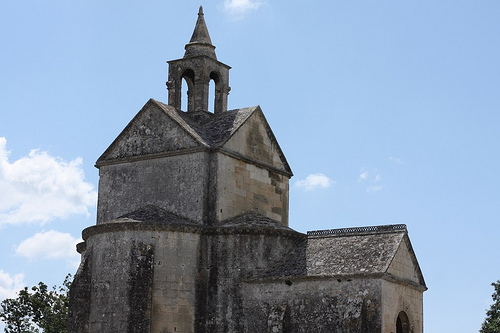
(192, 230)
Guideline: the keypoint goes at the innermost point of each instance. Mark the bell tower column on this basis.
(201, 94)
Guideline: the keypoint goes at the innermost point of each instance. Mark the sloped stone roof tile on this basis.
(214, 130)
(153, 214)
(358, 251)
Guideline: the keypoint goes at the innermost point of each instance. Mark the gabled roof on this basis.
(210, 131)
(218, 127)
(256, 221)
(148, 134)
(153, 214)
(357, 251)
(149, 217)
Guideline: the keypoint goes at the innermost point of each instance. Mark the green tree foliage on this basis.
(492, 322)
(37, 309)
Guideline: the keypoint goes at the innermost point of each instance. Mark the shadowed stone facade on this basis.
(192, 230)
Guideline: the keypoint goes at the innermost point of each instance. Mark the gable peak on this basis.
(200, 43)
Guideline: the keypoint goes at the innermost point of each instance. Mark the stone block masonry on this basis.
(249, 188)
(175, 183)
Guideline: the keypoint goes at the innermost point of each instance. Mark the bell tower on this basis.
(198, 67)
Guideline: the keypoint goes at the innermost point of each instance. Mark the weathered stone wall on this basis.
(113, 265)
(80, 296)
(174, 287)
(405, 293)
(244, 187)
(175, 183)
(233, 256)
(402, 266)
(150, 132)
(304, 305)
(142, 280)
(397, 297)
(253, 140)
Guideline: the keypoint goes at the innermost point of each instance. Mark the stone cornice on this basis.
(339, 278)
(404, 282)
(193, 150)
(243, 158)
(188, 228)
(152, 156)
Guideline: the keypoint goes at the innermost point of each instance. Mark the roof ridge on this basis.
(380, 229)
(236, 118)
(179, 119)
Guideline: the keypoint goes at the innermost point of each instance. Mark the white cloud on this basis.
(363, 177)
(10, 285)
(39, 188)
(374, 188)
(314, 181)
(373, 182)
(49, 245)
(239, 8)
(396, 160)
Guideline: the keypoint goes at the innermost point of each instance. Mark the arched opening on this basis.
(211, 96)
(187, 86)
(402, 323)
(212, 92)
(184, 89)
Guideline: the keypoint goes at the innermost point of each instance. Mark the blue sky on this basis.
(387, 111)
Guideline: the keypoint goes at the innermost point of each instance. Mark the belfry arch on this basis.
(215, 91)
(188, 77)
(402, 323)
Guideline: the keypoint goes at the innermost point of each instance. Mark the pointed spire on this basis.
(200, 33)
(200, 43)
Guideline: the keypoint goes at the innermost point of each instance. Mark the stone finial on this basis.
(200, 43)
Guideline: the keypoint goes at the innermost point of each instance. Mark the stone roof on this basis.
(214, 129)
(254, 220)
(365, 254)
(154, 218)
(209, 130)
(347, 252)
(150, 217)
(153, 215)
(351, 251)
